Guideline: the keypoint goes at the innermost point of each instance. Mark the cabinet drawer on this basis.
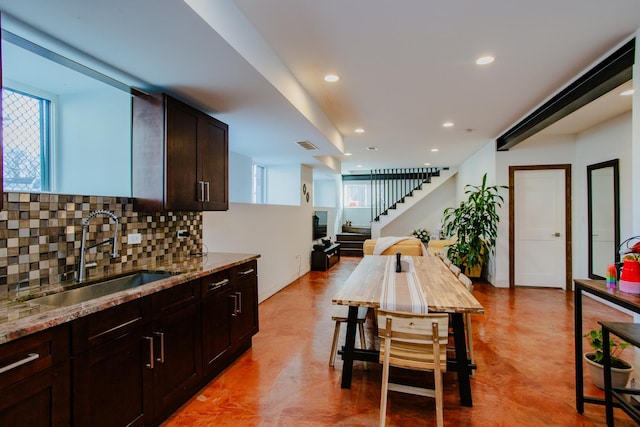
(248, 270)
(108, 325)
(175, 298)
(216, 282)
(35, 353)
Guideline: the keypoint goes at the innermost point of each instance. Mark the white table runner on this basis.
(402, 291)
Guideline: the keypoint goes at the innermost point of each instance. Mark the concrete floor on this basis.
(524, 352)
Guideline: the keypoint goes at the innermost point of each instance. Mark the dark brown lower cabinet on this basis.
(133, 364)
(34, 380)
(178, 368)
(41, 400)
(217, 308)
(245, 321)
(112, 383)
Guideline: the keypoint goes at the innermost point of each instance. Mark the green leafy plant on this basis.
(474, 225)
(594, 337)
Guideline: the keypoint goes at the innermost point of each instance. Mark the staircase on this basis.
(351, 240)
(389, 187)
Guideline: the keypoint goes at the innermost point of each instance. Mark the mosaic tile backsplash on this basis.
(40, 237)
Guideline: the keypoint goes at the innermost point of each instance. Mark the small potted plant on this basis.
(620, 369)
(421, 234)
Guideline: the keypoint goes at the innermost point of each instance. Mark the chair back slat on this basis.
(410, 338)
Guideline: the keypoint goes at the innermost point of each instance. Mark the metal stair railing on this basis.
(390, 187)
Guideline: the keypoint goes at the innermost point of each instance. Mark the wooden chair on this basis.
(467, 320)
(454, 269)
(417, 342)
(340, 315)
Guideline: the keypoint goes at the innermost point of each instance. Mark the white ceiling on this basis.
(405, 67)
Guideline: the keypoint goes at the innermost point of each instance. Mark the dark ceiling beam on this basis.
(604, 77)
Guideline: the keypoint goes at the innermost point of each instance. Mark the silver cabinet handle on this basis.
(235, 305)
(201, 184)
(239, 310)
(161, 336)
(216, 285)
(249, 271)
(30, 357)
(151, 363)
(207, 185)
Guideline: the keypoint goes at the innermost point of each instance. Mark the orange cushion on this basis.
(410, 247)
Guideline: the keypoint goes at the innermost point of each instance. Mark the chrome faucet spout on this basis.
(83, 248)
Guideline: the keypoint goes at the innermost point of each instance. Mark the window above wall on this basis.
(27, 134)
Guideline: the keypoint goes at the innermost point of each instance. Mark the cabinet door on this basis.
(246, 319)
(217, 307)
(178, 366)
(41, 400)
(213, 152)
(112, 383)
(182, 189)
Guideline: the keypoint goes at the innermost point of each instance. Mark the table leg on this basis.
(607, 376)
(462, 362)
(349, 345)
(577, 304)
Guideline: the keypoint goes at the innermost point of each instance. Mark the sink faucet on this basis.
(82, 269)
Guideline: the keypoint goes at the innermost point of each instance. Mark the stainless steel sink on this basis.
(96, 290)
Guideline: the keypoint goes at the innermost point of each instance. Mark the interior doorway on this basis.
(540, 226)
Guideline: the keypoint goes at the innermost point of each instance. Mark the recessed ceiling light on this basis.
(628, 92)
(331, 78)
(359, 130)
(347, 154)
(427, 164)
(484, 60)
(434, 150)
(359, 166)
(372, 148)
(447, 124)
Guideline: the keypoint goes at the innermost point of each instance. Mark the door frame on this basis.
(567, 221)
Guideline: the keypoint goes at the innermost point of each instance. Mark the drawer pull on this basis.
(161, 335)
(30, 357)
(235, 305)
(239, 310)
(249, 271)
(216, 285)
(151, 363)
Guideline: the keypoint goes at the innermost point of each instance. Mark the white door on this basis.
(539, 217)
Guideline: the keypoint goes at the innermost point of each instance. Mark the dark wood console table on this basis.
(598, 288)
(325, 258)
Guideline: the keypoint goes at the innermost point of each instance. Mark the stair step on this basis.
(351, 251)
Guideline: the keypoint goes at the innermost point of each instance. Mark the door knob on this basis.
(555, 235)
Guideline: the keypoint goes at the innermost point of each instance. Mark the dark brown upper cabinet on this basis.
(180, 157)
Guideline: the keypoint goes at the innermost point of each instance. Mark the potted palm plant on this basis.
(620, 369)
(474, 227)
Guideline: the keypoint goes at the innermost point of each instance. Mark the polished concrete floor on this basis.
(523, 346)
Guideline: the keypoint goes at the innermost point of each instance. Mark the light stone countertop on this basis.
(18, 319)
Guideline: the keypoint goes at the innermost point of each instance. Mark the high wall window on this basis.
(259, 192)
(357, 194)
(27, 137)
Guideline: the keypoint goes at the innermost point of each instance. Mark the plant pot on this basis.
(619, 377)
(474, 272)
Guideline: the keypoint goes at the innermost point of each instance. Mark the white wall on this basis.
(427, 213)
(359, 217)
(327, 195)
(93, 152)
(283, 185)
(607, 141)
(280, 234)
(240, 178)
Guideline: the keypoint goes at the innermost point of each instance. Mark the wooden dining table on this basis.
(425, 284)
